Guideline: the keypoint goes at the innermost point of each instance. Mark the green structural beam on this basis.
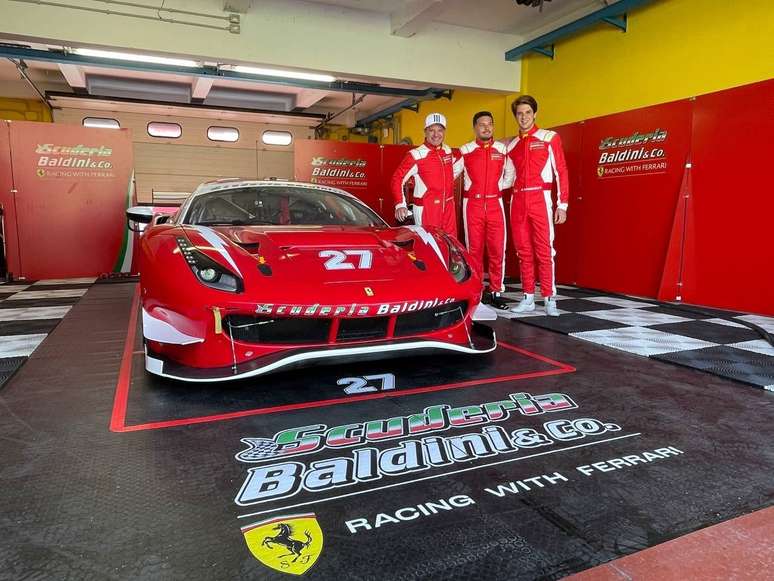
(25, 53)
(615, 15)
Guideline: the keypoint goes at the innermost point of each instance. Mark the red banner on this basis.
(631, 169)
(362, 169)
(72, 186)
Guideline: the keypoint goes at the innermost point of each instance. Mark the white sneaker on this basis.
(527, 305)
(551, 309)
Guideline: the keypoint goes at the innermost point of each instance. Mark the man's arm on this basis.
(559, 166)
(459, 163)
(407, 168)
(509, 174)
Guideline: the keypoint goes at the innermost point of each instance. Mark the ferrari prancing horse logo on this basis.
(290, 544)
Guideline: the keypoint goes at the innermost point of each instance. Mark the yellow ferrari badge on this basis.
(368, 291)
(218, 320)
(290, 544)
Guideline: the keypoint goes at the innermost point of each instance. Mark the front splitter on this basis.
(482, 340)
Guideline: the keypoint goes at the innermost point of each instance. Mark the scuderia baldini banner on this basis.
(635, 154)
(354, 167)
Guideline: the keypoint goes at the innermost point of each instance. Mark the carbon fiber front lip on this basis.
(483, 340)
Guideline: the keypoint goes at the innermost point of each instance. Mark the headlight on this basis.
(207, 271)
(457, 266)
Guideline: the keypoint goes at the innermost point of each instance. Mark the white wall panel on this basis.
(179, 165)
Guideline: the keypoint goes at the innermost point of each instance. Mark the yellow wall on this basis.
(459, 111)
(342, 133)
(673, 49)
(24, 110)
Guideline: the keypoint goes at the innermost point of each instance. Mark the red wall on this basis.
(68, 207)
(566, 235)
(658, 228)
(729, 243)
(628, 206)
(10, 240)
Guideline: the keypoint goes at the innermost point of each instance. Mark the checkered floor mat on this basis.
(712, 340)
(29, 311)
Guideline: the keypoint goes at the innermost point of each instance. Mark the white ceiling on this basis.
(49, 77)
(504, 16)
(500, 16)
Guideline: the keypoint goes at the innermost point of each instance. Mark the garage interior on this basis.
(638, 445)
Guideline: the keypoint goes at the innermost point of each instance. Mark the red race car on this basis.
(254, 276)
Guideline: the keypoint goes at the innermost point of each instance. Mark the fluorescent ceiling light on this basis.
(125, 56)
(284, 74)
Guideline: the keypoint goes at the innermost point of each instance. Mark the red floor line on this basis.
(537, 356)
(118, 419)
(120, 402)
(335, 401)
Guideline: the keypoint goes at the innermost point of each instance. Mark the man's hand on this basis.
(560, 216)
(401, 214)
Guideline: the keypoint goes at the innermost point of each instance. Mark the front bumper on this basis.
(482, 340)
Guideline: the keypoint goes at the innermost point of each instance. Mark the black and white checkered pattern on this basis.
(713, 340)
(29, 311)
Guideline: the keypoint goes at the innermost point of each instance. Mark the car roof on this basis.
(237, 183)
(233, 183)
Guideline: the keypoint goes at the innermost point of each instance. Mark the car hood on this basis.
(302, 237)
(391, 262)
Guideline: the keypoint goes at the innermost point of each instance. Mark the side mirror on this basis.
(138, 217)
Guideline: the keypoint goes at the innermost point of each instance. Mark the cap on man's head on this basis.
(435, 119)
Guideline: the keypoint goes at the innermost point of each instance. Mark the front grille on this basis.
(362, 329)
(428, 320)
(251, 329)
(312, 330)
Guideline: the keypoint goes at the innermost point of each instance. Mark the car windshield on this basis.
(279, 206)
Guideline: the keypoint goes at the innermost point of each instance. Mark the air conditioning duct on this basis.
(226, 97)
(138, 89)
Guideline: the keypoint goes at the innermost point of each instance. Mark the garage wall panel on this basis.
(177, 159)
(194, 128)
(182, 185)
(165, 167)
(567, 235)
(7, 201)
(729, 252)
(274, 164)
(629, 200)
(73, 187)
(181, 164)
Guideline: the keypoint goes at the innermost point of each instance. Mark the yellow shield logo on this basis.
(290, 544)
(600, 171)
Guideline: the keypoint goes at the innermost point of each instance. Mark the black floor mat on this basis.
(587, 310)
(531, 478)
(730, 362)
